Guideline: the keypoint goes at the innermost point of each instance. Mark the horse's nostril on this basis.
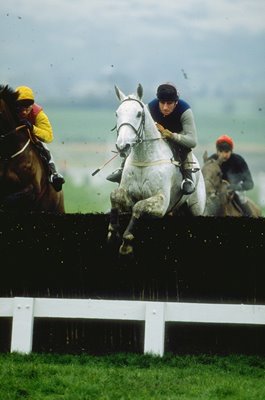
(123, 153)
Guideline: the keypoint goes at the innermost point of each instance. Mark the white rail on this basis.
(23, 310)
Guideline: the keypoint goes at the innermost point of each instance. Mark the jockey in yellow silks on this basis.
(34, 118)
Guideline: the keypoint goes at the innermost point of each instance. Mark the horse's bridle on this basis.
(140, 131)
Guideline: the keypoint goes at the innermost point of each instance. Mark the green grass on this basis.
(131, 377)
(82, 199)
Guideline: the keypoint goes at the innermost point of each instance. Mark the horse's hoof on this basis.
(113, 239)
(126, 250)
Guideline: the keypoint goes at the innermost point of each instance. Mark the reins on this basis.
(139, 132)
(140, 139)
(14, 131)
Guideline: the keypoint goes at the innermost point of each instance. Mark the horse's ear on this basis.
(140, 91)
(205, 156)
(219, 161)
(3, 88)
(121, 96)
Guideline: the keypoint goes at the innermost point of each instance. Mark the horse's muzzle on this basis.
(125, 151)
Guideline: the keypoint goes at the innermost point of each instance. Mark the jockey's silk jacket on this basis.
(180, 122)
(236, 170)
(41, 125)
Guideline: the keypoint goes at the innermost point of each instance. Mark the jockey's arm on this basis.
(245, 176)
(188, 136)
(42, 128)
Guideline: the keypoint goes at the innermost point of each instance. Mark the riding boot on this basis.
(187, 185)
(246, 209)
(55, 178)
(115, 176)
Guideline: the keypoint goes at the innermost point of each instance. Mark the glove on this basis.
(235, 186)
(165, 133)
(27, 123)
(160, 127)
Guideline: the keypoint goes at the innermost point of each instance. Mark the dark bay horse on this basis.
(24, 184)
(220, 200)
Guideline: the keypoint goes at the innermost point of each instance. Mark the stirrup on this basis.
(187, 186)
(115, 176)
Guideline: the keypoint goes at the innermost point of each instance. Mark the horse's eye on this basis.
(139, 114)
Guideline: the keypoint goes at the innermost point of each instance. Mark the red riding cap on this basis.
(225, 139)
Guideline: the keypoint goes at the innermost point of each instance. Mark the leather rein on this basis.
(14, 131)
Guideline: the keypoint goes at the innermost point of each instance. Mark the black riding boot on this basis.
(246, 210)
(187, 185)
(56, 179)
(115, 176)
(243, 206)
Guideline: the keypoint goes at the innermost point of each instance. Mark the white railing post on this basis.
(22, 326)
(154, 338)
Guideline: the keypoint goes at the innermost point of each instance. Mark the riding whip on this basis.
(102, 166)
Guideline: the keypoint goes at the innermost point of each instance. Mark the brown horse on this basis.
(220, 201)
(24, 184)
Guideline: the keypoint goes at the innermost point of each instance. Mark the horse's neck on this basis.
(153, 147)
(18, 143)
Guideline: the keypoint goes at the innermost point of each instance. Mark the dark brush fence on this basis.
(202, 259)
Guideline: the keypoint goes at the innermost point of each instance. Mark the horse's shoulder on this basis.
(255, 208)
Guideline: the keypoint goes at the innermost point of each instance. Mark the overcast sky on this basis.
(80, 48)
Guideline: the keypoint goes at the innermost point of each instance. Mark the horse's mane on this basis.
(133, 96)
(8, 99)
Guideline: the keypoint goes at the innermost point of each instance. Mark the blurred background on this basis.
(72, 53)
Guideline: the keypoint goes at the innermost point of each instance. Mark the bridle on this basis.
(140, 131)
(140, 138)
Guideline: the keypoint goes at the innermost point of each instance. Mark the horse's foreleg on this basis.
(114, 226)
(127, 245)
(154, 207)
(120, 201)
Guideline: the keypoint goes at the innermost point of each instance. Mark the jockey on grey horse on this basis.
(151, 181)
(175, 121)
